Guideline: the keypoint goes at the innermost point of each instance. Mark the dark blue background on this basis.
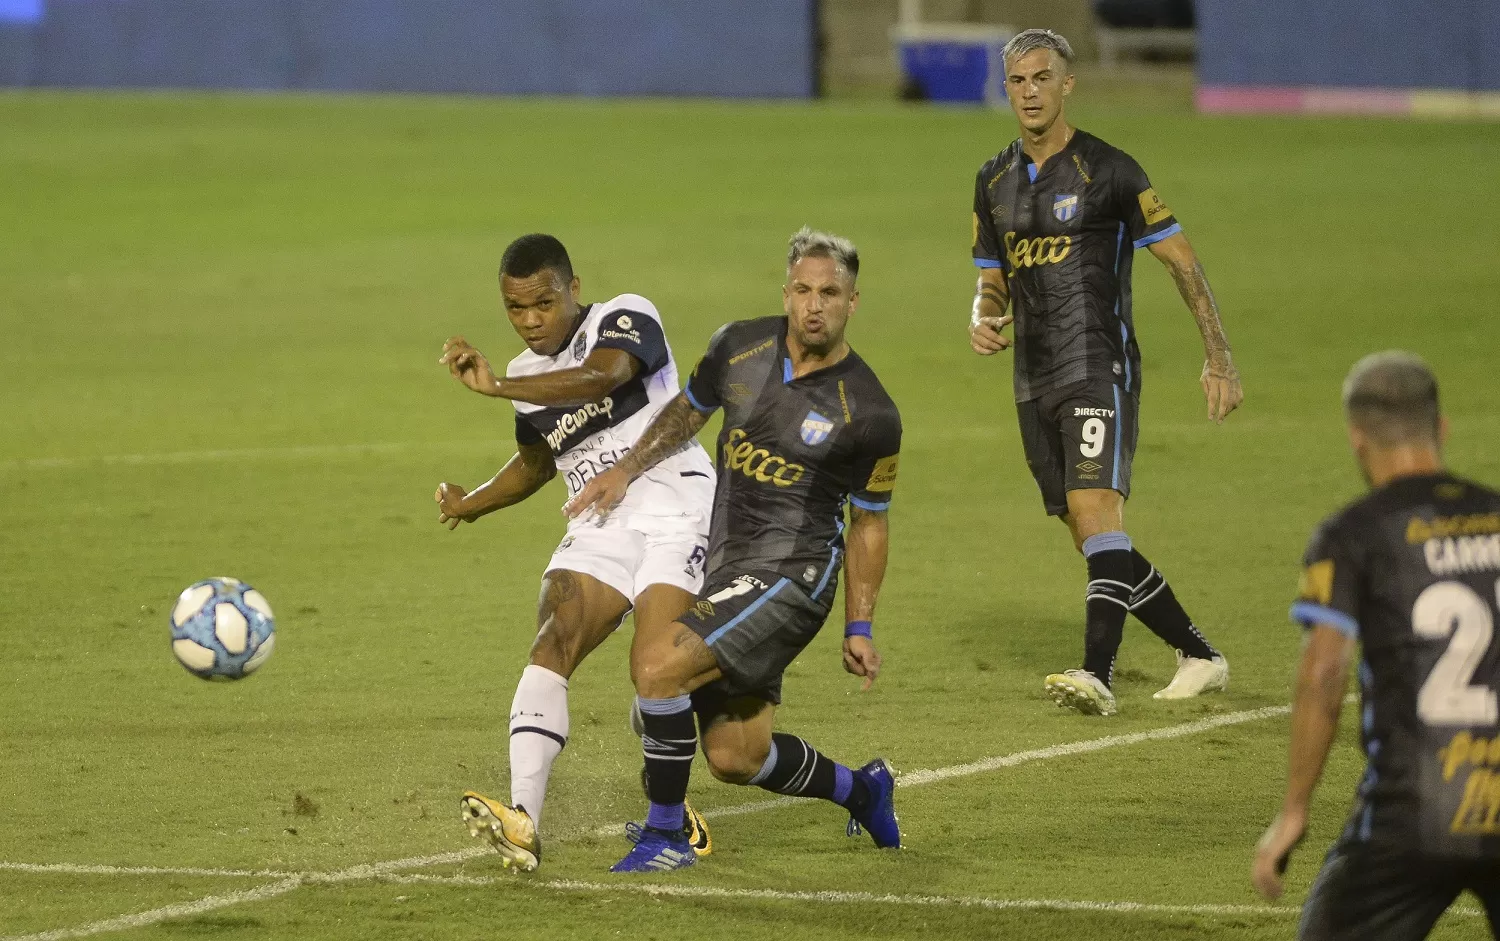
(1350, 43)
(733, 48)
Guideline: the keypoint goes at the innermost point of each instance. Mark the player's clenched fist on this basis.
(468, 365)
(450, 500)
(862, 659)
(1273, 851)
(985, 336)
(1221, 387)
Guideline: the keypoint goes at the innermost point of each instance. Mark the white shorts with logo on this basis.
(632, 552)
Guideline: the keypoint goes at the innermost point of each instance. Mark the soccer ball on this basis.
(222, 629)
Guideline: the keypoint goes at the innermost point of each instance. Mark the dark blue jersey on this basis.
(1413, 572)
(1065, 237)
(791, 452)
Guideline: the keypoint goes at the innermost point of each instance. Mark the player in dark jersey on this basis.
(1411, 574)
(1057, 215)
(807, 428)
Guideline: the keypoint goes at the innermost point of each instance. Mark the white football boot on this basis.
(1195, 676)
(1081, 690)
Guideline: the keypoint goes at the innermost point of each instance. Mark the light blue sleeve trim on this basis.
(1168, 232)
(1307, 614)
(987, 263)
(870, 505)
(687, 391)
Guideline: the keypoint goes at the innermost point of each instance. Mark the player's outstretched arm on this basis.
(868, 545)
(1322, 677)
(524, 474)
(991, 300)
(604, 371)
(1220, 380)
(673, 426)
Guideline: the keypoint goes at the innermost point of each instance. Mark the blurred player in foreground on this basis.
(590, 380)
(807, 427)
(1057, 215)
(1411, 574)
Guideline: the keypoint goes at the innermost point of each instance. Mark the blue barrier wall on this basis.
(1350, 44)
(729, 48)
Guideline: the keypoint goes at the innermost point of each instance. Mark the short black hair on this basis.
(532, 253)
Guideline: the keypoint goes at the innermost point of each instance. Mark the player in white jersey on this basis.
(591, 379)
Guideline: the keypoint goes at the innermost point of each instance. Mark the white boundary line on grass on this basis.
(85, 869)
(664, 890)
(933, 776)
(387, 870)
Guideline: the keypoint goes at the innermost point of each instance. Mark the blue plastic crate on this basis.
(953, 62)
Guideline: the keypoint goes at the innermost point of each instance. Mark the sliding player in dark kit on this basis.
(807, 428)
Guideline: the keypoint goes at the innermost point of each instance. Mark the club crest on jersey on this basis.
(816, 428)
(1065, 207)
(580, 344)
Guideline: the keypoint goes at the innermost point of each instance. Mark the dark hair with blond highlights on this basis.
(1030, 40)
(1393, 398)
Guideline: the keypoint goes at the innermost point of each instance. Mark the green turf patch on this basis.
(222, 317)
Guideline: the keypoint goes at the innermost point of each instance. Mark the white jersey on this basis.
(585, 440)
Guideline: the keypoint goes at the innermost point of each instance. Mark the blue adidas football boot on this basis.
(693, 825)
(879, 818)
(658, 851)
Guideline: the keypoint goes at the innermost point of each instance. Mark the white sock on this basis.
(538, 732)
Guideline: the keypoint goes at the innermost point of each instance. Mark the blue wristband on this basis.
(858, 629)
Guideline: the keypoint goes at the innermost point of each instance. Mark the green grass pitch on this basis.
(219, 325)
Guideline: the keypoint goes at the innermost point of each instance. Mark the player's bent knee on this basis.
(660, 671)
(733, 765)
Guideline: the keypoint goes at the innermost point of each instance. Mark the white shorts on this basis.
(632, 552)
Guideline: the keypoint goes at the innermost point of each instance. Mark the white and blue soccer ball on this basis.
(222, 629)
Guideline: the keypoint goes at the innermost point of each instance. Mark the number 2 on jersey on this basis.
(1447, 698)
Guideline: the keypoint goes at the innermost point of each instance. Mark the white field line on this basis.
(166, 913)
(919, 778)
(84, 869)
(259, 894)
(666, 890)
(388, 870)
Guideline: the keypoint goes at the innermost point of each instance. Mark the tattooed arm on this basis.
(673, 426)
(1220, 380)
(991, 298)
(522, 475)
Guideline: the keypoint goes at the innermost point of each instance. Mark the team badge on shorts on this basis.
(1065, 207)
(816, 428)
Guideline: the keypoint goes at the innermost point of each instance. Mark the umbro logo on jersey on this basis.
(1065, 207)
(816, 428)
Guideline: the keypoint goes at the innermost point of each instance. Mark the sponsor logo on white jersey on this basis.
(572, 422)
